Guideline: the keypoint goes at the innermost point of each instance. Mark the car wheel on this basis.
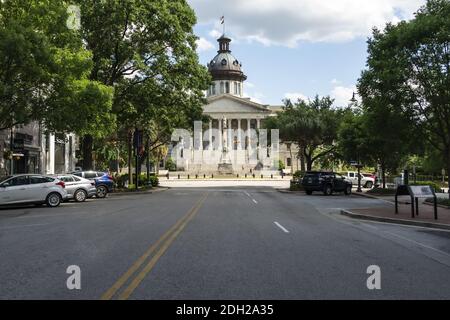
(348, 190)
(80, 196)
(328, 190)
(53, 200)
(369, 185)
(102, 191)
(309, 192)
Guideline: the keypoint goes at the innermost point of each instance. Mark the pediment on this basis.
(231, 104)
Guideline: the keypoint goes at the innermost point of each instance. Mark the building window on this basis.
(222, 87)
(227, 87)
(289, 162)
(213, 89)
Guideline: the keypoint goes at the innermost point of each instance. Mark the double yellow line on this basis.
(158, 249)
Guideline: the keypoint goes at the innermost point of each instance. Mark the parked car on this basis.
(326, 182)
(32, 189)
(366, 182)
(78, 189)
(104, 183)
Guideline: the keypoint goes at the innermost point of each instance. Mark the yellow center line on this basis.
(175, 229)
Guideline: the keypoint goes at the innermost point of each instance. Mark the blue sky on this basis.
(297, 48)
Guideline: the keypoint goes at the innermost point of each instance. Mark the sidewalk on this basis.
(387, 214)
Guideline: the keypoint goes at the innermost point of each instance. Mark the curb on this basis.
(396, 221)
(131, 193)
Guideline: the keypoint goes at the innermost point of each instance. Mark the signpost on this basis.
(416, 192)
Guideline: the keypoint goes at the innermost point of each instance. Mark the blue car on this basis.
(104, 183)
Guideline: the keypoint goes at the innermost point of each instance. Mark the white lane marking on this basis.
(256, 202)
(281, 227)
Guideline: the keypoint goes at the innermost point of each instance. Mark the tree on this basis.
(408, 72)
(44, 74)
(146, 50)
(312, 125)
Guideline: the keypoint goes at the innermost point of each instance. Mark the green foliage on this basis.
(281, 165)
(147, 51)
(407, 81)
(45, 69)
(170, 165)
(382, 192)
(153, 181)
(312, 125)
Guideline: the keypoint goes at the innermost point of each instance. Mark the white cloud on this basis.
(342, 95)
(335, 82)
(286, 22)
(204, 45)
(295, 96)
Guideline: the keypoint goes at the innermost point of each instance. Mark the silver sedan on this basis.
(78, 189)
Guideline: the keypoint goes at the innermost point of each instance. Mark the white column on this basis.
(249, 134)
(210, 135)
(51, 155)
(220, 135)
(229, 135)
(258, 123)
(239, 146)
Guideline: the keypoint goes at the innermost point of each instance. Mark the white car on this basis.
(366, 182)
(78, 189)
(32, 189)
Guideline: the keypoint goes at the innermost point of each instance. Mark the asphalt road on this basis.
(218, 243)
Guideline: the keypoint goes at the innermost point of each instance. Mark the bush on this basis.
(441, 201)
(381, 191)
(170, 165)
(296, 185)
(281, 165)
(153, 181)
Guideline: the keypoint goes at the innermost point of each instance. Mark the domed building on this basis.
(238, 150)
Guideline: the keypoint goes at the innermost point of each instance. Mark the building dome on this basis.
(225, 66)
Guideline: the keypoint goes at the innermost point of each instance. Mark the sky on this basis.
(297, 48)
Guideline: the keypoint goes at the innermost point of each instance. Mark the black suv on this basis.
(327, 182)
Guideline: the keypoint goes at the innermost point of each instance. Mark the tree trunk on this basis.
(88, 142)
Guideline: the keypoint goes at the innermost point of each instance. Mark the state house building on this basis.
(228, 108)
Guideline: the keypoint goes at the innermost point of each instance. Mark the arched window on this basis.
(213, 89)
(236, 88)
(222, 87)
(227, 87)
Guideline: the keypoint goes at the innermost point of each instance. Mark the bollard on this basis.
(245, 176)
(237, 176)
(189, 176)
(262, 176)
(204, 176)
(212, 176)
(168, 177)
(196, 176)
(254, 176)
(179, 177)
(271, 176)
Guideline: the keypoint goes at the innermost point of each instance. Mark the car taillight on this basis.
(62, 184)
